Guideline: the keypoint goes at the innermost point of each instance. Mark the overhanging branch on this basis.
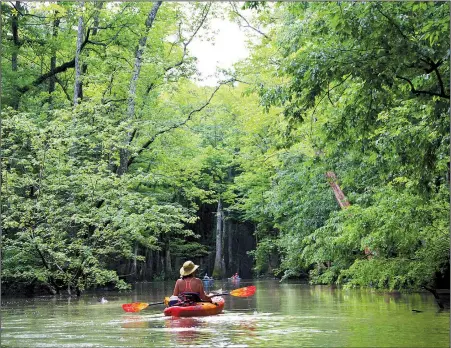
(442, 93)
(176, 125)
(63, 67)
(204, 15)
(247, 22)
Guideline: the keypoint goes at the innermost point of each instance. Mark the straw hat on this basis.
(188, 268)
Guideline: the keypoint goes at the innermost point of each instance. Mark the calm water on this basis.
(278, 315)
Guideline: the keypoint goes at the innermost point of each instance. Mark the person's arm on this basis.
(203, 295)
(176, 288)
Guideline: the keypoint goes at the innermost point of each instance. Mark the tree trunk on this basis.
(162, 265)
(157, 262)
(218, 270)
(15, 52)
(1, 152)
(168, 265)
(52, 79)
(77, 85)
(149, 264)
(228, 231)
(339, 195)
(124, 153)
(135, 262)
(344, 203)
(84, 68)
(15, 32)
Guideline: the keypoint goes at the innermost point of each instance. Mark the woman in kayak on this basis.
(189, 283)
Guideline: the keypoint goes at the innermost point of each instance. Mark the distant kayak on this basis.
(199, 309)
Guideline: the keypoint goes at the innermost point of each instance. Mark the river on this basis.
(278, 315)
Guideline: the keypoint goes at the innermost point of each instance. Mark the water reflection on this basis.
(135, 322)
(235, 282)
(394, 296)
(279, 314)
(185, 329)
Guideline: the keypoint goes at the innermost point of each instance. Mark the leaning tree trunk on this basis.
(124, 153)
(339, 195)
(218, 270)
(343, 202)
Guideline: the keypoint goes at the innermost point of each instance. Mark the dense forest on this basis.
(324, 155)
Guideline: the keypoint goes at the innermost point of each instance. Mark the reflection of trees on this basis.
(394, 296)
(269, 297)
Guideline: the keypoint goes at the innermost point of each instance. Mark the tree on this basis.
(362, 87)
(71, 221)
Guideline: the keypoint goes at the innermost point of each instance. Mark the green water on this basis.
(278, 315)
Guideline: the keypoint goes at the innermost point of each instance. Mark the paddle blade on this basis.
(244, 292)
(134, 307)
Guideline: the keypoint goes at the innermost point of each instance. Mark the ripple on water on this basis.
(64, 345)
(304, 320)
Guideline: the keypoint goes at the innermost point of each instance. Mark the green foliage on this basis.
(261, 255)
(363, 88)
(70, 220)
(66, 211)
(254, 5)
(360, 89)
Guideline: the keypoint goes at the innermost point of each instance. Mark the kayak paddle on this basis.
(241, 292)
(139, 306)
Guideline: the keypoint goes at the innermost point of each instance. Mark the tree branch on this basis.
(431, 65)
(328, 95)
(113, 38)
(25, 14)
(47, 267)
(442, 93)
(246, 21)
(204, 15)
(440, 81)
(114, 101)
(97, 43)
(64, 89)
(436, 296)
(392, 22)
(63, 67)
(176, 125)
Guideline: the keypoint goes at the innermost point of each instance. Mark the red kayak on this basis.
(199, 309)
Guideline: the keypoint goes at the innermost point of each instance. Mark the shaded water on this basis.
(278, 315)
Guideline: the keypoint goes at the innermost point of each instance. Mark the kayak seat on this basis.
(188, 298)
